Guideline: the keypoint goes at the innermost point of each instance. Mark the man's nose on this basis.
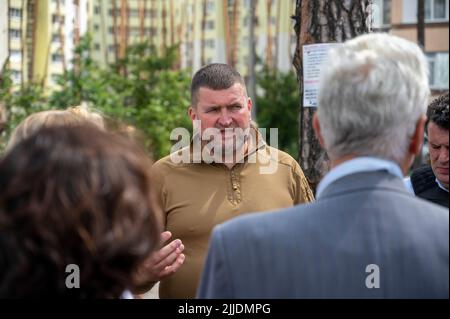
(225, 119)
(443, 155)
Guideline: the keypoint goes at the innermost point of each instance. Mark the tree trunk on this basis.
(142, 12)
(172, 24)
(102, 28)
(164, 26)
(116, 46)
(123, 29)
(226, 22)
(192, 35)
(203, 35)
(30, 36)
(152, 22)
(61, 34)
(22, 45)
(235, 38)
(291, 41)
(277, 34)
(421, 23)
(181, 30)
(322, 21)
(251, 83)
(9, 28)
(269, 48)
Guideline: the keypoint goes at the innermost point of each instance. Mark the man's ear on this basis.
(192, 113)
(417, 138)
(316, 127)
(249, 104)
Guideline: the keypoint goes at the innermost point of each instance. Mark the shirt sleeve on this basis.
(302, 190)
(158, 193)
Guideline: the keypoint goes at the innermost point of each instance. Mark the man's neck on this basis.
(237, 156)
(338, 161)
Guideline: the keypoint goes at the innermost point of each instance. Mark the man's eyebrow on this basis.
(235, 102)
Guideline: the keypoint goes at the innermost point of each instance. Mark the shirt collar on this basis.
(358, 165)
(441, 185)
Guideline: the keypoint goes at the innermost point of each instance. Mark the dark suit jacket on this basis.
(324, 249)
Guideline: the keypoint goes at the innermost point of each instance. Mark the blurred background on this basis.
(132, 60)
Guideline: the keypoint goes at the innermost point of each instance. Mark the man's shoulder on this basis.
(172, 160)
(423, 179)
(280, 157)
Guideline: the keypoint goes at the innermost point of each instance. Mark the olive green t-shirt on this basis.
(195, 197)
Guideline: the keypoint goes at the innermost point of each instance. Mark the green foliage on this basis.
(19, 103)
(277, 102)
(146, 91)
(143, 90)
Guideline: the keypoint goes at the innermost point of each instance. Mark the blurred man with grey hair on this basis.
(366, 236)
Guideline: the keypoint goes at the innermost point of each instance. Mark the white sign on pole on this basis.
(314, 57)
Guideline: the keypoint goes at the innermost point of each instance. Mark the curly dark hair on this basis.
(438, 112)
(74, 195)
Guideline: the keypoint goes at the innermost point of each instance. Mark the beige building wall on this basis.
(187, 30)
(3, 33)
(404, 24)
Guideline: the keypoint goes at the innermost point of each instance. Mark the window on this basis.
(96, 27)
(436, 10)
(15, 33)
(151, 13)
(381, 13)
(16, 76)
(97, 46)
(56, 38)
(54, 78)
(209, 43)
(273, 20)
(134, 32)
(111, 12)
(133, 13)
(210, 7)
(209, 25)
(438, 64)
(15, 13)
(247, 20)
(56, 57)
(15, 55)
(57, 18)
(97, 10)
(153, 31)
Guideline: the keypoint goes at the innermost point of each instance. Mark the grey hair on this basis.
(372, 93)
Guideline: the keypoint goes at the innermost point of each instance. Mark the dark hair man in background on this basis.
(430, 182)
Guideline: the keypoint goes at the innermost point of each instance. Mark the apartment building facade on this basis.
(205, 30)
(39, 35)
(40, 38)
(399, 17)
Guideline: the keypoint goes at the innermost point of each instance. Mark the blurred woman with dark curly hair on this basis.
(74, 195)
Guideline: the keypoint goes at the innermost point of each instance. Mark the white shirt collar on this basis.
(358, 165)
